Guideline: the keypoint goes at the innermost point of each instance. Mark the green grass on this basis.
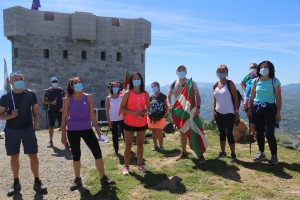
(186, 179)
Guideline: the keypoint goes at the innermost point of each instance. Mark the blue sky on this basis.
(201, 34)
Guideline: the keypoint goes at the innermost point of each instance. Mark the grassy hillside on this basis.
(187, 179)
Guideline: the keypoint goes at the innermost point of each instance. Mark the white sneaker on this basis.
(142, 168)
(126, 171)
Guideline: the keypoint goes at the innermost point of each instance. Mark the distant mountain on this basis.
(294, 87)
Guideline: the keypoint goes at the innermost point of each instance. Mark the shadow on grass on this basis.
(170, 153)
(161, 182)
(220, 168)
(107, 192)
(277, 170)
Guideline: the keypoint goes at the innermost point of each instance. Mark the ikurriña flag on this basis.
(7, 86)
(183, 116)
(35, 5)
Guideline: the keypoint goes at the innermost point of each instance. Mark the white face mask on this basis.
(264, 71)
(253, 71)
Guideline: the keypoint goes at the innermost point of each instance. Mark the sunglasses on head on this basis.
(16, 73)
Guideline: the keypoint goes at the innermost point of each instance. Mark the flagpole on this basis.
(12, 97)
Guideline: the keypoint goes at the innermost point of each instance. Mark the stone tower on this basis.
(97, 49)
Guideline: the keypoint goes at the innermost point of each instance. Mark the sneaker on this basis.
(126, 171)
(15, 188)
(50, 143)
(142, 168)
(221, 155)
(259, 157)
(201, 159)
(39, 187)
(273, 160)
(76, 184)
(106, 181)
(154, 148)
(232, 157)
(182, 155)
(161, 148)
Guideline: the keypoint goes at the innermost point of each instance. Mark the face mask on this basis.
(115, 90)
(19, 85)
(54, 84)
(136, 83)
(253, 71)
(181, 74)
(154, 89)
(78, 87)
(221, 75)
(264, 71)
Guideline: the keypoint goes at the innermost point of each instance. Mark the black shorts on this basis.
(52, 116)
(134, 128)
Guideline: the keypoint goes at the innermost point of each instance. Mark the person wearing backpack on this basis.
(175, 90)
(246, 85)
(157, 116)
(264, 106)
(225, 110)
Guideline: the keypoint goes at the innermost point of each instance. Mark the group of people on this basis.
(135, 111)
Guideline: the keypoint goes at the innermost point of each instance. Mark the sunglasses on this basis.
(16, 73)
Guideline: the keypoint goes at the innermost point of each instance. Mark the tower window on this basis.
(103, 55)
(46, 53)
(16, 52)
(119, 56)
(142, 58)
(83, 55)
(65, 54)
(49, 16)
(115, 21)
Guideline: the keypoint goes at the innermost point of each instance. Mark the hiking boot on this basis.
(76, 184)
(201, 159)
(259, 157)
(126, 171)
(15, 188)
(221, 155)
(39, 187)
(142, 169)
(50, 143)
(106, 181)
(182, 155)
(273, 160)
(232, 157)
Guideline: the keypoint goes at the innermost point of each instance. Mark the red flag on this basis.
(183, 112)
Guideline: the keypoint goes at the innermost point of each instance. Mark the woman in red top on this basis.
(135, 105)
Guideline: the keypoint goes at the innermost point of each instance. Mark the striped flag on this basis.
(126, 81)
(183, 112)
(35, 5)
(7, 86)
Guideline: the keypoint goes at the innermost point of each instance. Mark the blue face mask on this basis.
(54, 84)
(221, 75)
(115, 90)
(78, 87)
(181, 74)
(154, 89)
(264, 71)
(19, 85)
(136, 83)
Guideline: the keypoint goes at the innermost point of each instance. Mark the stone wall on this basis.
(44, 48)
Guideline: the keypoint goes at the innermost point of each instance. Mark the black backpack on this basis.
(157, 111)
(240, 97)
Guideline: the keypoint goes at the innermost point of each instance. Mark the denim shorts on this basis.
(14, 137)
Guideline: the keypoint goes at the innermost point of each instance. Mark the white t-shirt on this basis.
(178, 87)
(224, 103)
(114, 110)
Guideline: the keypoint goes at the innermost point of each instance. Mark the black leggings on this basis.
(115, 131)
(225, 124)
(265, 120)
(90, 140)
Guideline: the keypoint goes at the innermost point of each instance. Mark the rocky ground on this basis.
(56, 170)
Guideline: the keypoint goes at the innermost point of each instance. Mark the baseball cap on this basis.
(53, 79)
